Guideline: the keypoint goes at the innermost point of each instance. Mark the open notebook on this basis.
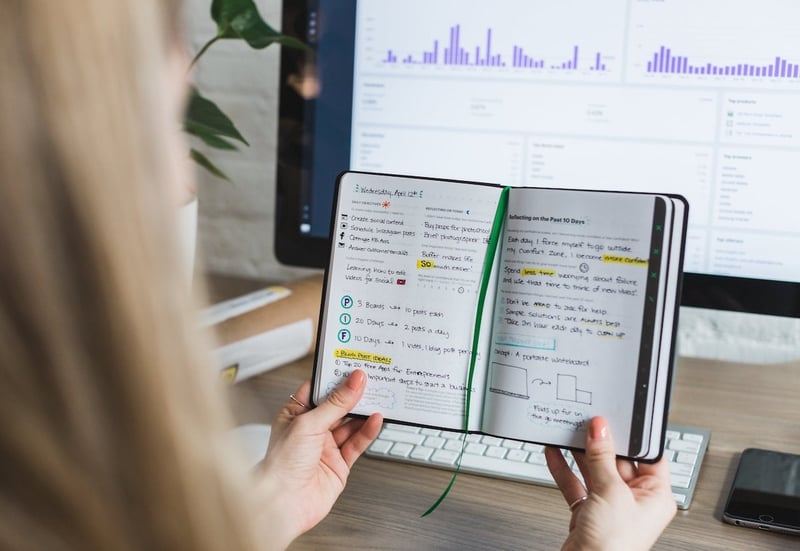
(513, 312)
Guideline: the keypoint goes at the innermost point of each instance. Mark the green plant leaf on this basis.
(211, 140)
(207, 121)
(235, 19)
(203, 161)
(240, 19)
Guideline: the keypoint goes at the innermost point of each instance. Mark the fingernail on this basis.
(356, 380)
(599, 429)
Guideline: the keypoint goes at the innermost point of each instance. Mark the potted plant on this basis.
(204, 121)
(235, 20)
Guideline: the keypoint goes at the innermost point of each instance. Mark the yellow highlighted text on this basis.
(363, 356)
(537, 272)
(631, 261)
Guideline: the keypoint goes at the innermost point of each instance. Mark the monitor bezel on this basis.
(293, 248)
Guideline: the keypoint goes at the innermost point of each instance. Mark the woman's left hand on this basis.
(309, 458)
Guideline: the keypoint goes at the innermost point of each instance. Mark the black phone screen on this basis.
(766, 491)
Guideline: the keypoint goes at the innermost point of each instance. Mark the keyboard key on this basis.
(444, 457)
(684, 446)
(434, 442)
(380, 446)
(496, 452)
(515, 468)
(537, 458)
(406, 428)
(679, 481)
(516, 455)
(685, 457)
(401, 449)
(512, 444)
(491, 440)
(475, 448)
(402, 436)
(528, 447)
(684, 469)
(430, 432)
(421, 453)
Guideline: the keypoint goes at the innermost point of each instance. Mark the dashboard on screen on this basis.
(700, 98)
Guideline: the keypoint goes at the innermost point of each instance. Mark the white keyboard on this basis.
(521, 461)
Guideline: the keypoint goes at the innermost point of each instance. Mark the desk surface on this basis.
(743, 405)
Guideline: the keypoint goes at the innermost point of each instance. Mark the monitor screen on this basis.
(697, 97)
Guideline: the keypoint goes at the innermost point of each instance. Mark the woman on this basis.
(111, 438)
(112, 433)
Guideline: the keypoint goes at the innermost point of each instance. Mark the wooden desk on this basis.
(743, 405)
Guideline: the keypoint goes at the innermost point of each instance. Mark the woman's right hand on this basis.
(623, 505)
(311, 452)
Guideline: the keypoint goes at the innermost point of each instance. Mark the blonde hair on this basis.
(110, 432)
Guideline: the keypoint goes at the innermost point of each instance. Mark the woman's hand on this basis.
(309, 458)
(623, 505)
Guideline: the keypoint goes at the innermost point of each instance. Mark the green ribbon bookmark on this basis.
(491, 250)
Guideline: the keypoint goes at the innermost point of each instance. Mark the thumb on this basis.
(343, 399)
(600, 455)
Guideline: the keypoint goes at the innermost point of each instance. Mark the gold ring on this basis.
(294, 399)
(578, 502)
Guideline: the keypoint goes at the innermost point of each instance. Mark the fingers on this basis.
(358, 437)
(600, 458)
(571, 488)
(659, 470)
(303, 393)
(298, 402)
(343, 399)
(627, 470)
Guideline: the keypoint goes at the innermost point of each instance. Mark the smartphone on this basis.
(765, 493)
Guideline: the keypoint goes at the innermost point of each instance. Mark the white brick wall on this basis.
(235, 226)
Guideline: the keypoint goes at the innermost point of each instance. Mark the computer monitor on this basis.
(700, 98)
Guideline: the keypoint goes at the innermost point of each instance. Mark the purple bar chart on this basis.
(454, 51)
(665, 61)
